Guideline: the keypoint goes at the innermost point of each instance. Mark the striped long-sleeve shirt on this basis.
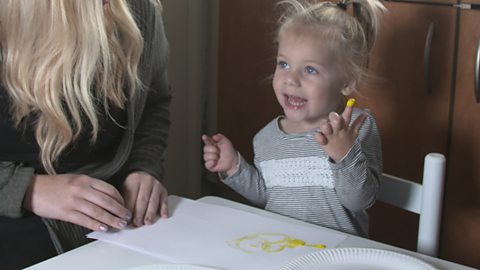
(293, 176)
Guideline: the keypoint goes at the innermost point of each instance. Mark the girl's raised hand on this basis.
(336, 136)
(219, 154)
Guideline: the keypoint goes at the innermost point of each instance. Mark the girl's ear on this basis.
(349, 88)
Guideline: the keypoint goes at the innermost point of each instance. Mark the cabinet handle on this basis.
(477, 71)
(426, 57)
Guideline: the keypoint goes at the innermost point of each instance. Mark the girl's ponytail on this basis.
(367, 12)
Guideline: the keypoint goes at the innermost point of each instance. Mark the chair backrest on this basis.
(424, 199)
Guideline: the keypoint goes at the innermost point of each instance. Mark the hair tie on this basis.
(342, 5)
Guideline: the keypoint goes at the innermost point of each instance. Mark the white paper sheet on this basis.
(217, 236)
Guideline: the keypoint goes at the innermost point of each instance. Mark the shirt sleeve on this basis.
(14, 182)
(248, 182)
(357, 176)
(152, 131)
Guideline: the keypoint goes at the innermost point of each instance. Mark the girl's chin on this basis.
(294, 114)
(300, 120)
(297, 126)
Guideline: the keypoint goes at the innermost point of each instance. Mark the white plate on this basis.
(358, 259)
(171, 267)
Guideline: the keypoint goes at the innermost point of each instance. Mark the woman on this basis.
(84, 116)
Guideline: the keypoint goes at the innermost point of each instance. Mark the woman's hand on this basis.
(146, 197)
(336, 136)
(79, 199)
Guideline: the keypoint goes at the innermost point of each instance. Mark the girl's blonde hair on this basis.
(350, 33)
(59, 58)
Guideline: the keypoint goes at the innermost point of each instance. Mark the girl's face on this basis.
(307, 81)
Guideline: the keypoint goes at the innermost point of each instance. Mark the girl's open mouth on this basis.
(294, 102)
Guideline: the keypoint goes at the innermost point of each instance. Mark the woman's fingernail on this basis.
(122, 223)
(350, 102)
(103, 228)
(148, 220)
(128, 217)
(138, 222)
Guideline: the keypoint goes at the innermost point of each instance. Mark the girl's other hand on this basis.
(219, 154)
(79, 199)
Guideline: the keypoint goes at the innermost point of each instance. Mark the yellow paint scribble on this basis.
(269, 242)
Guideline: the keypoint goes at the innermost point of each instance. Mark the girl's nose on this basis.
(291, 79)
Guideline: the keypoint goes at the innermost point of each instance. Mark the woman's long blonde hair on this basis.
(59, 58)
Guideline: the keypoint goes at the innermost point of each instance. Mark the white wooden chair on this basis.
(424, 199)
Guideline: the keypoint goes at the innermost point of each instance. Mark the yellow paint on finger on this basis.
(350, 102)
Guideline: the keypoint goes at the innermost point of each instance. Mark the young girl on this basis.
(320, 162)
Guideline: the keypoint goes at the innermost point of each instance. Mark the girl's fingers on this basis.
(211, 157)
(357, 124)
(347, 116)
(347, 113)
(326, 128)
(207, 140)
(214, 139)
(218, 137)
(321, 139)
(336, 122)
(210, 164)
(210, 149)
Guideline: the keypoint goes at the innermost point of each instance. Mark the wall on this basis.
(190, 28)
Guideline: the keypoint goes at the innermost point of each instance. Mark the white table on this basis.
(101, 255)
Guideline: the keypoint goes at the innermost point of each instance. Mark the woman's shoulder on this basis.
(142, 5)
(143, 11)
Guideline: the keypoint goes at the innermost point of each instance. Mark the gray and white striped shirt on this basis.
(294, 177)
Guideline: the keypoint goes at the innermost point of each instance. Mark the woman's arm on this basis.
(14, 182)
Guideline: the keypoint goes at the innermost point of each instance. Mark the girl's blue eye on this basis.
(282, 64)
(311, 70)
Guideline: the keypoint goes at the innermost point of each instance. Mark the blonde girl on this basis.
(320, 161)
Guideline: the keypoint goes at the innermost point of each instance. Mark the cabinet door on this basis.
(461, 222)
(409, 93)
(246, 101)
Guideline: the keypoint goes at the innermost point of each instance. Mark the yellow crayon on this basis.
(350, 102)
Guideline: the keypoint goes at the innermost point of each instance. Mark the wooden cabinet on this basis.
(409, 92)
(421, 92)
(246, 62)
(461, 222)
(246, 101)
(409, 87)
